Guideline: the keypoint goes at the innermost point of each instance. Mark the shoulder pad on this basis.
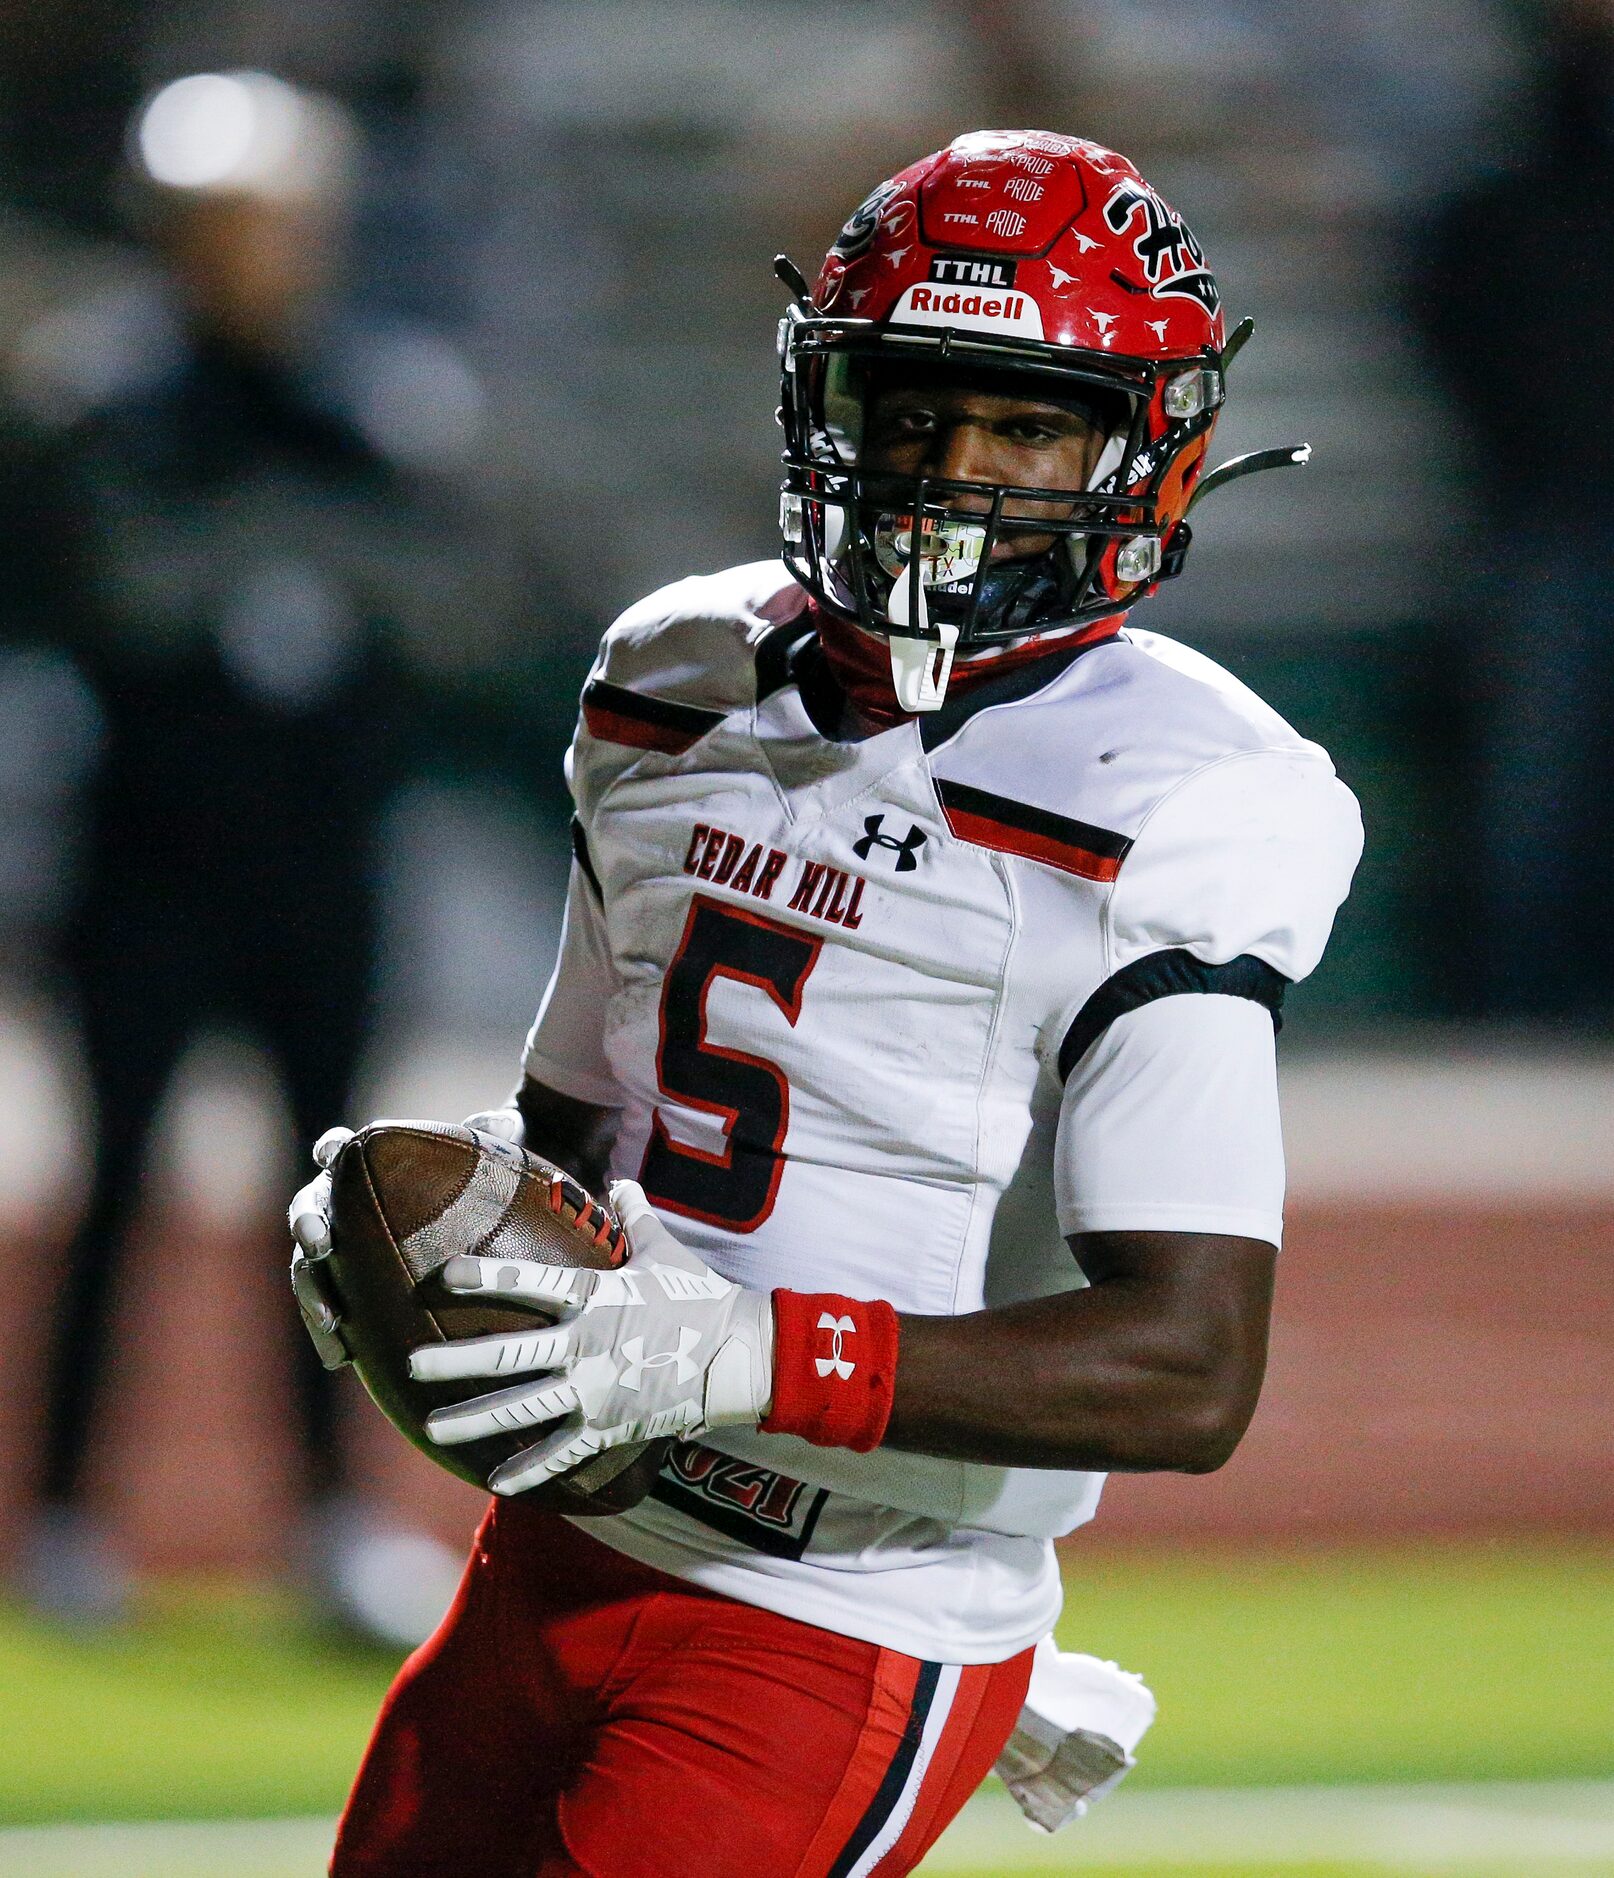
(674, 666)
(694, 643)
(1069, 774)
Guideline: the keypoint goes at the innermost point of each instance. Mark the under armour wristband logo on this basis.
(821, 1393)
(836, 1363)
(905, 849)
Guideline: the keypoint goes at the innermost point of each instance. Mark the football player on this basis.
(928, 929)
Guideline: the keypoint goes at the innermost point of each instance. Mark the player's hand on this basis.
(504, 1124)
(663, 1345)
(309, 1217)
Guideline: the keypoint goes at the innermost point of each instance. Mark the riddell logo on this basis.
(970, 309)
(971, 305)
(956, 272)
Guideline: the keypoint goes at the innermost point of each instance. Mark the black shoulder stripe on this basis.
(623, 716)
(1168, 975)
(584, 859)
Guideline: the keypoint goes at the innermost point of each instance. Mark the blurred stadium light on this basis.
(243, 132)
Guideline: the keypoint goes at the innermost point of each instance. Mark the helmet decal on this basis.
(857, 236)
(1173, 261)
(969, 310)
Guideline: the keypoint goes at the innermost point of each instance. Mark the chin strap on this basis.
(921, 653)
(922, 648)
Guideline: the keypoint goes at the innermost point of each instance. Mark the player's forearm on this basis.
(1133, 1374)
(574, 1135)
(1011, 1388)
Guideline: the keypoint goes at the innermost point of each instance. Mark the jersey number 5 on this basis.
(749, 1094)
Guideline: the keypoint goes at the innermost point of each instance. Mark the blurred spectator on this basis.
(230, 523)
(1519, 285)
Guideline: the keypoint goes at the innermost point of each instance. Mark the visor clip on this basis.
(1138, 559)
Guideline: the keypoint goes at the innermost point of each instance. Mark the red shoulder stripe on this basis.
(618, 715)
(993, 821)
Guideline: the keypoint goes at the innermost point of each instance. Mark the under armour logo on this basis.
(905, 849)
(633, 1376)
(836, 1363)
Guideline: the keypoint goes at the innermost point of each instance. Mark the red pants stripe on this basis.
(579, 1715)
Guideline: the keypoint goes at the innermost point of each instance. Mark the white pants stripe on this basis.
(940, 1708)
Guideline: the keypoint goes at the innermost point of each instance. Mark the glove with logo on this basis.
(663, 1345)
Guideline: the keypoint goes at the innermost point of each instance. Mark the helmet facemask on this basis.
(993, 562)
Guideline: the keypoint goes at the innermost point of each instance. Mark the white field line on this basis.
(1516, 1827)
(257, 1848)
(1535, 1827)
(1466, 1121)
(1463, 1117)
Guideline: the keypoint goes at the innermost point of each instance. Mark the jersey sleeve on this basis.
(1169, 1123)
(566, 1045)
(1169, 1116)
(1250, 856)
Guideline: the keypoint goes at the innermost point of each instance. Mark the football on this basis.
(405, 1197)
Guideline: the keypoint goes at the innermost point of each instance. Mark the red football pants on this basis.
(579, 1715)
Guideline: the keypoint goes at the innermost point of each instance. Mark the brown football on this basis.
(405, 1197)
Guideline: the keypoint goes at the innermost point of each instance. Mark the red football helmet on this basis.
(1026, 262)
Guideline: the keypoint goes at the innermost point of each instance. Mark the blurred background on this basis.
(357, 364)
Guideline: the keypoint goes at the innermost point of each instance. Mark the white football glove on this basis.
(309, 1217)
(663, 1345)
(1077, 1736)
(504, 1123)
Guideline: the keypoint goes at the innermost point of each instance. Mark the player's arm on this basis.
(1158, 1364)
(1169, 1158)
(567, 1104)
(573, 1134)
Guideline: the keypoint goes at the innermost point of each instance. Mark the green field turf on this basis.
(1446, 1664)
(1452, 1663)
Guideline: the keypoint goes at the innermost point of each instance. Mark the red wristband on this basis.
(834, 1369)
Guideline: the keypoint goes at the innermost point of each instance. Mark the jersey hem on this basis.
(805, 1604)
(1235, 1222)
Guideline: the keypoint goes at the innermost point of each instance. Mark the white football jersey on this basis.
(891, 1017)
